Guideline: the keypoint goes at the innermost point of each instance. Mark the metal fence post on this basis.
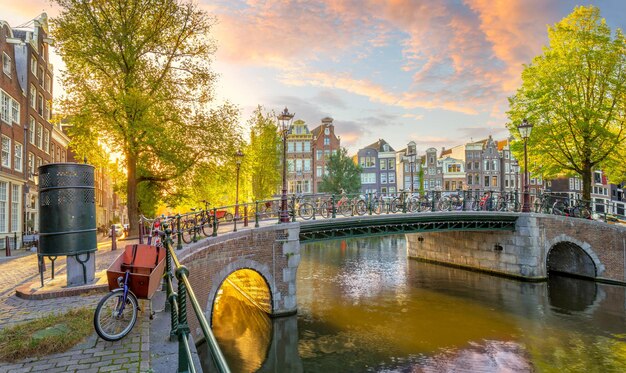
(332, 205)
(179, 234)
(215, 222)
(245, 215)
(256, 214)
(113, 238)
(369, 202)
(183, 328)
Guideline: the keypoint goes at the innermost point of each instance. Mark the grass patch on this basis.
(45, 336)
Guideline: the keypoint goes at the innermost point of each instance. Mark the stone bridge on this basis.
(263, 261)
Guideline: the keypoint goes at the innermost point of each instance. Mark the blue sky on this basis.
(435, 72)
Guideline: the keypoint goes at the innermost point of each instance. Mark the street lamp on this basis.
(411, 158)
(284, 120)
(524, 130)
(239, 157)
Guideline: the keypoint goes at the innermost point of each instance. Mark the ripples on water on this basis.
(365, 307)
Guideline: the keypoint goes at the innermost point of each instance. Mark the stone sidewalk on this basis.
(131, 354)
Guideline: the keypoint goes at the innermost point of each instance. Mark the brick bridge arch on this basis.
(569, 255)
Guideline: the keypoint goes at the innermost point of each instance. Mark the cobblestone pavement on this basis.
(131, 354)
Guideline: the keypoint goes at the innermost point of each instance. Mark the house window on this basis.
(31, 130)
(6, 64)
(48, 110)
(290, 147)
(17, 164)
(46, 141)
(327, 131)
(486, 181)
(15, 112)
(383, 178)
(40, 76)
(392, 164)
(307, 146)
(318, 155)
(318, 171)
(298, 165)
(290, 165)
(39, 131)
(15, 207)
(3, 205)
(494, 181)
(33, 65)
(48, 85)
(383, 164)
(32, 96)
(367, 162)
(454, 167)
(307, 165)
(368, 178)
(469, 180)
(6, 152)
(326, 141)
(5, 113)
(392, 178)
(40, 105)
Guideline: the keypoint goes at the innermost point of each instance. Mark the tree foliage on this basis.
(343, 173)
(263, 155)
(139, 80)
(575, 95)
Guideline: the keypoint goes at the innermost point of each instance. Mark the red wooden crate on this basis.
(145, 271)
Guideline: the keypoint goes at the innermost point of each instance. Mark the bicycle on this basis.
(563, 207)
(451, 202)
(134, 275)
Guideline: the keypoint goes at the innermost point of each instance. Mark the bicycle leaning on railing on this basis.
(134, 275)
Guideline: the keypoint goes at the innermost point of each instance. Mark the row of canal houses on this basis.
(485, 165)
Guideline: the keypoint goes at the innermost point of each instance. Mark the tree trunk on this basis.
(131, 197)
(586, 176)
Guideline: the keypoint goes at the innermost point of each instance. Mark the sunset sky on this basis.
(435, 72)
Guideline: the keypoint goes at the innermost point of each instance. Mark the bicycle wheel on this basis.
(360, 207)
(559, 208)
(424, 205)
(396, 205)
(501, 204)
(305, 211)
(345, 209)
(187, 227)
(114, 316)
(444, 205)
(376, 207)
(207, 227)
(325, 210)
(456, 204)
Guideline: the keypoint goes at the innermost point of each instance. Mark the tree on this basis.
(139, 80)
(263, 155)
(575, 95)
(343, 173)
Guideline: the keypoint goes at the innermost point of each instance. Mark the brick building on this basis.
(299, 159)
(324, 143)
(28, 137)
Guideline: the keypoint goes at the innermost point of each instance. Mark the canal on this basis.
(364, 307)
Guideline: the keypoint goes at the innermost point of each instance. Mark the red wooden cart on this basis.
(146, 264)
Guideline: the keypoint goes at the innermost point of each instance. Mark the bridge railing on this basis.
(196, 224)
(178, 306)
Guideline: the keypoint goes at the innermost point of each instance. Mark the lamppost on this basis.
(411, 158)
(524, 130)
(284, 119)
(239, 157)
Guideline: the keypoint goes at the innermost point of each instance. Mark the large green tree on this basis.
(138, 79)
(343, 173)
(575, 95)
(263, 155)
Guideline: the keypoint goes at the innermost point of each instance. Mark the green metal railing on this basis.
(194, 225)
(178, 303)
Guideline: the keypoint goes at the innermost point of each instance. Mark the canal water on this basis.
(363, 306)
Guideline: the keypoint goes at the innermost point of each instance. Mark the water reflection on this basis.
(364, 306)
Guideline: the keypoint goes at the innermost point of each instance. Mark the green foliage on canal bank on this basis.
(45, 336)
